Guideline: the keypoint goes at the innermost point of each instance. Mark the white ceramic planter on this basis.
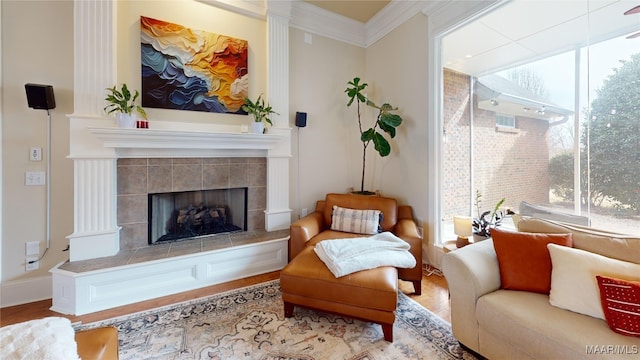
(125, 121)
(257, 127)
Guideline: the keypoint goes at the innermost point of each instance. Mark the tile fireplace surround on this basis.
(159, 160)
(139, 177)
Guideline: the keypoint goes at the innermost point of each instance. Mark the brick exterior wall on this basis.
(510, 163)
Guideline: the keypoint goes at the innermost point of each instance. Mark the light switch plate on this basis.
(33, 248)
(34, 178)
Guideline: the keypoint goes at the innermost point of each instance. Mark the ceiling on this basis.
(518, 31)
(359, 10)
(522, 31)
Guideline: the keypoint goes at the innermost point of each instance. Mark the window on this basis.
(507, 121)
(575, 154)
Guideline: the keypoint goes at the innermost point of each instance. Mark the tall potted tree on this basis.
(386, 121)
(123, 103)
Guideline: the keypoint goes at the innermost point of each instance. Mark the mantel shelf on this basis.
(152, 139)
(175, 143)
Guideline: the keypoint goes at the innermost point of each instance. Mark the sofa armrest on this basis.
(471, 272)
(302, 230)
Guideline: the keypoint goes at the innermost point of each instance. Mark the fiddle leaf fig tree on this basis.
(386, 122)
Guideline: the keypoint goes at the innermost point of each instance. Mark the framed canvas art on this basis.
(187, 69)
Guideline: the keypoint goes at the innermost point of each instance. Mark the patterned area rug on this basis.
(248, 323)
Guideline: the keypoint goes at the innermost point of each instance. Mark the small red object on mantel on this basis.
(142, 124)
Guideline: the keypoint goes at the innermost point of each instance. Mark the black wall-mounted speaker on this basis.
(40, 96)
(301, 119)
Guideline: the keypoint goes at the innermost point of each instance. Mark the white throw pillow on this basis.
(355, 221)
(573, 278)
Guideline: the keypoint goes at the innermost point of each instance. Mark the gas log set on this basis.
(198, 220)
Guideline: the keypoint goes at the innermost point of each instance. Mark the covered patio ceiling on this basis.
(522, 31)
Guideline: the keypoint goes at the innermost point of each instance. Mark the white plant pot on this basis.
(257, 127)
(125, 121)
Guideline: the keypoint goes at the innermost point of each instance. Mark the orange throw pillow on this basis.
(524, 260)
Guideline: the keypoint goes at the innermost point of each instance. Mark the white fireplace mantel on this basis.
(171, 143)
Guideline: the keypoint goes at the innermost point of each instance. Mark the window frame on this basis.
(512, 119)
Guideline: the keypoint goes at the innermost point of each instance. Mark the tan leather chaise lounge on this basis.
(370, 295)
(398, 219)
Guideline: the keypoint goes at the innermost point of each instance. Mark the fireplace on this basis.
(140, 177)
(176, 216)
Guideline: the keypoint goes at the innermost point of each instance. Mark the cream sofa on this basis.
(509, 324)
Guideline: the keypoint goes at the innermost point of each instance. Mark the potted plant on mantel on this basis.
(123, 104)
(385, 121)
(260, 113)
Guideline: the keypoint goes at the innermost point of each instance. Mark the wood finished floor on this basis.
(435, 297)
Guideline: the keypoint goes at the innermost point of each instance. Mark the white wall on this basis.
(40, 54)
(329, 145)
(396, 68)
(44, 54)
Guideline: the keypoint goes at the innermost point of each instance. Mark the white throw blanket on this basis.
(346, 256)
(51, 338)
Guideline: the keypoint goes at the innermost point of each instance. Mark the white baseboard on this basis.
(25, 291)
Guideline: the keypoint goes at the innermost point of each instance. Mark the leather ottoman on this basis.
(369, 295)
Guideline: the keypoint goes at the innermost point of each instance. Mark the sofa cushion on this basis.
(573, 278)
(621, 304)
(355, 220)
(524, 259)
(331, 235)
(527, 322)
(617, 246)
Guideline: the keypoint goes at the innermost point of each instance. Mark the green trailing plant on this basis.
(258, 109)
(482, 225)
(386, 121)
(123, 101)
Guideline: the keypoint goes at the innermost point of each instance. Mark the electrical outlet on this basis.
(303, 212)
(33, 248)
(33, 266)
(35, 153)
(34, 178)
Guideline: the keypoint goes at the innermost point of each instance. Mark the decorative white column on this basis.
(95, 229)
(278, 212)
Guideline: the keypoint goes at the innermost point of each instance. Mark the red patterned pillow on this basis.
(620, 304)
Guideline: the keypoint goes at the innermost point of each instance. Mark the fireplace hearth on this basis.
(178, 216)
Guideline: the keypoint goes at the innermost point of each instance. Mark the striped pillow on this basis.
(620, 304)
(355, 221)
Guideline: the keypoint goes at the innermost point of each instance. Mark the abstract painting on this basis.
(188, 69)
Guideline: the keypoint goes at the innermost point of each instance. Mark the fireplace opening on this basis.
(182, 215)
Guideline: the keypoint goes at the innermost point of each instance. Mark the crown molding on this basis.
(251, 8)
(392, 16)
(311, 18)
